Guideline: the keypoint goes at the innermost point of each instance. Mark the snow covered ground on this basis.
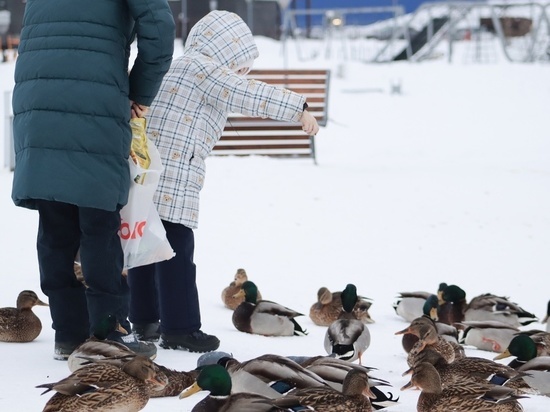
(448, 181)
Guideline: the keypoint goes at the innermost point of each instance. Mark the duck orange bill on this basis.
(503, 355)
(408, 385)
(241, 293)
(190, 391)
(402, 332)
(407, 372)
(368, 393)
(159, 381)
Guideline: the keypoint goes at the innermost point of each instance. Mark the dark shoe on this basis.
(149, 332)
(197, 341)
(147, 349)
(62, 350)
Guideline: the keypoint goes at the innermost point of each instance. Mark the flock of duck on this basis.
(107, 376)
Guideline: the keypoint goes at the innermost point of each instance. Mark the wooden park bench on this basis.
(244, 136)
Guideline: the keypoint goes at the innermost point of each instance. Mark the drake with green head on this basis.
(522, 347)
(228, 293)
(329, 306)
(20, 324)
(264, 317)
(452, 304)
(216, 380)
(347, 337)
(410, 305)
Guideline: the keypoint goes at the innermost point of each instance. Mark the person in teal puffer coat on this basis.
(72, 105)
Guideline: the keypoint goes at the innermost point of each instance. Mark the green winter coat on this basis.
(71, 97)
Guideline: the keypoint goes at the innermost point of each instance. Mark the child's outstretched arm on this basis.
(309, 123)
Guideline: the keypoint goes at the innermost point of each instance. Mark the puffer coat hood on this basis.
(224, 37)
(189, 113)
(71, 100)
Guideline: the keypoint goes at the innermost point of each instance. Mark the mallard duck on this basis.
(347, 337)
(430, 310)
(106, 387)
(537, 372)
(264, 317)
(20, 324)
(492, 336)
(329, 306)
(541, 339)
(524, 348)
(228, 293)
(452, 304)
(216, 379)
(424, 328)
(473, 369)
(489, 307)
(333, 371)
(270, 368)
(98, 349)
(409, 305)
(463, 396)
(353, 398)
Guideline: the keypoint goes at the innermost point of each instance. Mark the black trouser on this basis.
(167, 290)
(63, 230)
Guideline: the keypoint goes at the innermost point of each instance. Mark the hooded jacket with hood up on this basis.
(189, 113)
(72, 93)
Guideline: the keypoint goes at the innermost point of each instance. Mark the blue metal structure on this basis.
(308, 21)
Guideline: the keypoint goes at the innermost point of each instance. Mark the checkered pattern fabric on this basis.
(189, 113)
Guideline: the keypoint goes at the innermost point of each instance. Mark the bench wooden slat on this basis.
(266, 139)
(263, 146)
(244, 135)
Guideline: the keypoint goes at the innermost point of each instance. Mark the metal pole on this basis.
(183, 21)
(250, 14)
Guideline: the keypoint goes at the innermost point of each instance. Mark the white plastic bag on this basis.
(141, 231)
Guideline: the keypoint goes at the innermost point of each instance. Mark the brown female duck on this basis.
(228, 293)
(424, 329)
(20, 324)
(98, 349)
(105, 387)
(465, 396)
(329, 306)
(353, 398)
(474, 369)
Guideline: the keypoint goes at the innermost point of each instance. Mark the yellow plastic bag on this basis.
(141, 232)
(139, 151)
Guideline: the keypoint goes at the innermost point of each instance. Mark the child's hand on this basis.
(138, 110)
(309, 123)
